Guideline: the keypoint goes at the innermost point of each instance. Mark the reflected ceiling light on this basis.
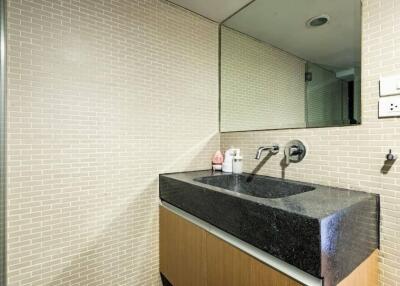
(317, 21)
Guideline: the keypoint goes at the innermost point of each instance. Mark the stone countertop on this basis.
(321, 202)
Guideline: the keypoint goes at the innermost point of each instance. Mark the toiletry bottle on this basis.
(217, 161)
(237, 165)
(228, 160)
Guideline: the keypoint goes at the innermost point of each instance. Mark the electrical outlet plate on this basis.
(389, 85)
(389, 106)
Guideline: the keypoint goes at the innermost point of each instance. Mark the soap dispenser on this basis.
(237, 166)
(228, 160)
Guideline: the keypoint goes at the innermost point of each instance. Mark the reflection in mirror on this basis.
(291, 64)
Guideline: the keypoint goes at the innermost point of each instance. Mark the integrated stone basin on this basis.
(324, 231)
(257, 186)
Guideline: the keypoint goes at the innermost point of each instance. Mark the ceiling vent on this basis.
(317, 21)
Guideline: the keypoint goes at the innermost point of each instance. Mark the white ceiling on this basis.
(281, 23)
(217, 10)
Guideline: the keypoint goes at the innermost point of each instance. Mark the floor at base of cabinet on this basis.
(165, 281)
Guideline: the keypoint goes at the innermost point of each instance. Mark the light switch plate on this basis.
(389, 106)
(389, 85)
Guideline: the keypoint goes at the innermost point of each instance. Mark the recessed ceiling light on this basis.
(317, 21)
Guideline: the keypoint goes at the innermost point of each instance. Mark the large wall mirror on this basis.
(291, 64)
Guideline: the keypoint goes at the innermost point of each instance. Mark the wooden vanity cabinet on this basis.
(182, 250)
(227, 265)
(190, 256)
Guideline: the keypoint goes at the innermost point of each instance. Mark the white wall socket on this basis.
(389, 106)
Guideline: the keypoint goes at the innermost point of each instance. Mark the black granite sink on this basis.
(324, 231)
(257, 186)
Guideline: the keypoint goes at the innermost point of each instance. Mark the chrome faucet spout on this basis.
(273, 149)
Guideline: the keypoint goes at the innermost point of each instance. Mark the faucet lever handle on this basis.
(288, 153)
(294, 151)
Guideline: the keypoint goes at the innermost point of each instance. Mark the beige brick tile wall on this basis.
(254, 85)
(352, 157)
(102, 97)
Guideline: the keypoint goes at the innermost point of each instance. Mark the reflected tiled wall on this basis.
(352, 157)
(254, 85)
(102, 96)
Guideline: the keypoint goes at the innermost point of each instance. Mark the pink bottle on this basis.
(217, 161)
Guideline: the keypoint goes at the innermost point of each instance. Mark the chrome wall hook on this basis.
(390, 156)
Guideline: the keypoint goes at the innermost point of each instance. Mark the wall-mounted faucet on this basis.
(273, 149)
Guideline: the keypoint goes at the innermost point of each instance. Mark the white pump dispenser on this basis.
(237, 165)
(228, 160)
